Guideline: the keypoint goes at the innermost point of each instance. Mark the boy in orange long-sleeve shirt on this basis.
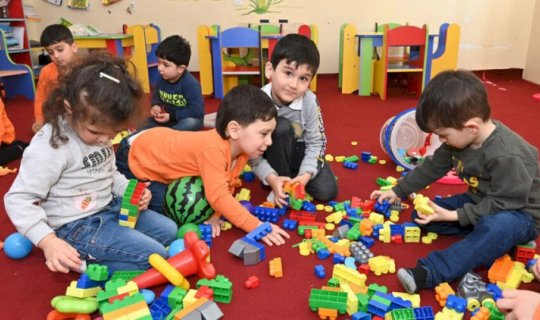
(244, 125)
(60, 45)
(10, 149)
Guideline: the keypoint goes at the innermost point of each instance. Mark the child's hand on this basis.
(216, 224)
(155, 111)
(276, 236)
(59, 255)
(37, 126)
(145, 198)
(519, 304)
(440, 214)
(380, 195)
(277, 182)
(303, 178)
(162, 117)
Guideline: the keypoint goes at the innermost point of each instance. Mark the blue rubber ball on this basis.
(16, 246)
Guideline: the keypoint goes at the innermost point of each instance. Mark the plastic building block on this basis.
(338, 258)
(266, 214)
(210, 311)
(193, 260)
(349, 276)
(412, 232)
(421, 204)
(456, 303)
(360, 316)
(423, 313)
(382, 265)
(414, 299)
(403, 314)
(500, 270)
(289, 224)
(129, 211)
(350, 165)
(275, 268)
(308, 206)
(259, 232)
(299, 216)
(524, 253)
(320, 272)
(336, 300)
(379, 304)
(252, 282)
(365, 156)
(221, 286)
(159, 309)
(352, 299)
(494, 290)
(206, 233)
(243, 195)
(442, 291)
(97, 272)
(360, 252)
(473, 289)
(248, 176)
(250, 251)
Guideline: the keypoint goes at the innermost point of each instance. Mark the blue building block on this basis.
(350, 165)
(424, 313)
(248, 205)
(495, 291)
(456, 303)
(259, 232)
(206, 233)
(320, 272)
(323, 254)
(365, 156)
(367, 241)
(308, 206)
(248, 176)
(382, 207)
(84, 282)
(338, 258)
(399, 303)
(531, 264)
(397, 229)
(160, 309)
(289, 224)
(376, 229)
(379, 304)
(266, 214)
(361, 316)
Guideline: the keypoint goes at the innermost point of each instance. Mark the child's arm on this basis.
(520, 304)
(59, 255)
(218, 193)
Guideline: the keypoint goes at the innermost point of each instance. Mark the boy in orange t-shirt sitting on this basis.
(60, 45)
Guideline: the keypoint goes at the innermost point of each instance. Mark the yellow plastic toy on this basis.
(168, 271)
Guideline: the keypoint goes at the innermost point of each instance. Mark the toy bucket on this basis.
(402, 140)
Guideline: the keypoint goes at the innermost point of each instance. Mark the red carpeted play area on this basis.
(27, 286)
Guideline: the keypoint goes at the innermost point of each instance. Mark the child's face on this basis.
(289, 81)
(169, 71)
(61, 53)
(457, 138)
(254, 138)
(93, 133)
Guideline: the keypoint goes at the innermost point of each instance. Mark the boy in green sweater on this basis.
(501, 207)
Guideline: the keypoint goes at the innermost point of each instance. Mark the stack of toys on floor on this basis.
(350, 229)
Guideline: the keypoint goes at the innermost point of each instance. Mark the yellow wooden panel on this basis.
(350, 60)
(205, 60)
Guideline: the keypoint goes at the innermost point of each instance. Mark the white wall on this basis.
(495, 33)
(531, 70)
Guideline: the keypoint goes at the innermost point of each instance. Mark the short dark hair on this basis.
(451, 99)
(296, 48)
(244, 104)
(56, 33)
(175, 49)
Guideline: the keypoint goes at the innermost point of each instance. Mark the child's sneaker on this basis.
(413, 280)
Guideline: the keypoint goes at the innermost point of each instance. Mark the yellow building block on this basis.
(348, 275)
(352, 299)
(421, 204)
(413, 298)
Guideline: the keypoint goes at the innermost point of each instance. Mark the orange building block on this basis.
(275, 267)
(500, 270)
(328, 313)
(442, 292)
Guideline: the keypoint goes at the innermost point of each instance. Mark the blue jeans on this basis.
(493, 236)
(158, 189)
(187, 124)
(100, 239)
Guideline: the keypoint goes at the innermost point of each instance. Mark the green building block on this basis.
(363, 301)
(336, 300)
(333, 282)
(403, 314)
(221, 286)
(97, 272)
(372, 288)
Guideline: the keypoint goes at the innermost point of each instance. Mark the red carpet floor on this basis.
(27, 286)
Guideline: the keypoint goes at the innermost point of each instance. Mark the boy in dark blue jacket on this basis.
(177, 100)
